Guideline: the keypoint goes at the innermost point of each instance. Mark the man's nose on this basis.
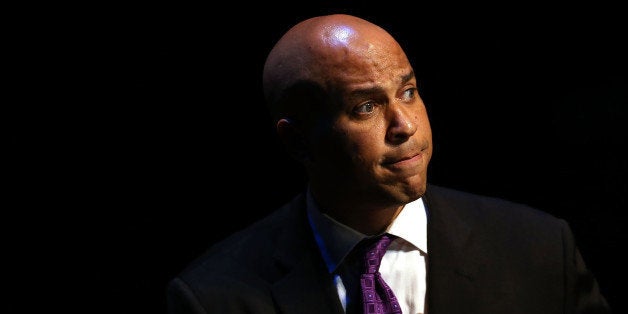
(402, 122)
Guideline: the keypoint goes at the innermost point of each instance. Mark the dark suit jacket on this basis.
(485, 256)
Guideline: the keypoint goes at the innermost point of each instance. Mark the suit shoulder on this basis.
(247, 251)
(491, 206)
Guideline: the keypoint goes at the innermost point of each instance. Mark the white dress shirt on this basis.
(403, 267)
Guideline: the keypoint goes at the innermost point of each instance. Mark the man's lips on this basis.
(403, 160)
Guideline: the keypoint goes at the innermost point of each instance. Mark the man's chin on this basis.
(406, 193)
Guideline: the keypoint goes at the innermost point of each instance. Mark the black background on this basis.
(172, 148)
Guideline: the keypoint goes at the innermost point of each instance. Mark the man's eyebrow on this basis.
(365, 91)
(407, 77)
(369, 91)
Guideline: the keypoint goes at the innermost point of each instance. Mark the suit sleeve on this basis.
(582, 293)
(181, 300)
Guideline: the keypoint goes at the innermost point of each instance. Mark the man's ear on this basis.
(293, 139)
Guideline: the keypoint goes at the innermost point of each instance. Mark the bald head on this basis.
(304, 64)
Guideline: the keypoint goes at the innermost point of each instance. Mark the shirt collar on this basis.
(411, 225)
(335, 240)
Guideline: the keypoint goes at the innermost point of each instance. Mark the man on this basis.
(345, 101)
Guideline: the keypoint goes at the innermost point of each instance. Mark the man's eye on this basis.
(409, 93)
(365, 108)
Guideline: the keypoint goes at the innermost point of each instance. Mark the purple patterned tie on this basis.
(377, 296)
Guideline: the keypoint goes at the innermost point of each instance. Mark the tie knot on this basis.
(375, 248)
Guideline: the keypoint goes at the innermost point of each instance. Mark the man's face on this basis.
(372, 144)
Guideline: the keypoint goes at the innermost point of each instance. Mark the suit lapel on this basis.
(307, 290)
(453, 259)
(307, 286)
